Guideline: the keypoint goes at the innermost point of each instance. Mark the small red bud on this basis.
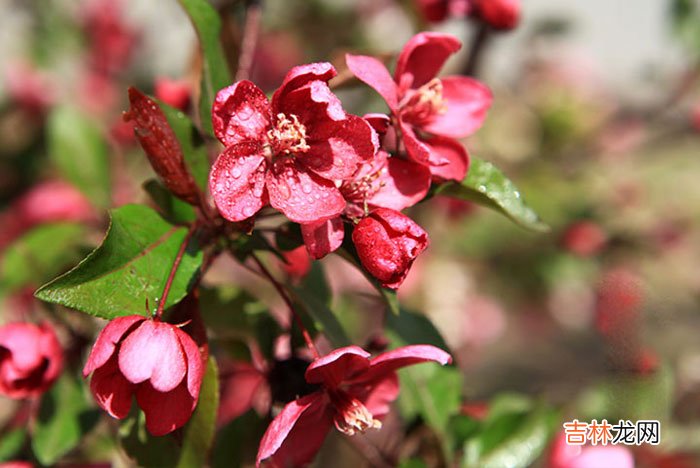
(161, 146)
(500, 14)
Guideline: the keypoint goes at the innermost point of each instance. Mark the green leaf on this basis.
(515, 435)
(314, 295)
(488, 186)
(199, 431)
(193, 147)
(413, 328)
(130, 267)
(78, 149)
(65, 416)
(148, 451)
(237, 443)
(40, 254)
(11, 443)
(172, 208)
(215, 74)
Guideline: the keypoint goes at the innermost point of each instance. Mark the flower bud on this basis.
(161, 146)
(387, 243)
(500, 14)
(30, 359)
(174, 93)
(156, 362)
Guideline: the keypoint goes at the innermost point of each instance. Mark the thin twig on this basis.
(251, 31)
(481, 36)
(297, 319)
(173, 270)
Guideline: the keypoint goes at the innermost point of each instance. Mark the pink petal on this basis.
(152, 352)
(373, 72)
(387, 363)
(22, 341)
(401, 183)
(416, 150)
(452, 159)
(337, 366)
(111, 390)
(195, 362)
(297, 433)
(302, 196)
(379, 122)
(594, 457)
(165, 411)
(324, 237)
(240, 389)
(106, 341)
(314, 104)
(241, 113)
(423, 56)
(378, 397)
(51, 349)
(467, 101)
(302, 75)
(338, 148)
(237, 181)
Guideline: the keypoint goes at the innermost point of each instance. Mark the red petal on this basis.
(241, 113)
(106, 341)
(379, 122)
(165, 411)
(378, 396)
(237, 181)
(152, 352)
(423, 56)
(324, 237)
(401, 184)
(22, 341)
(373, 72)
(302, 75)
(467, 102)
(111, 390)
(416, 150)
(337, 366)
(387, 363)
(314, 104)
(297, 433)
(240, 389)
(452, 156)
(302, 196)
(195, 362)
(338, 148)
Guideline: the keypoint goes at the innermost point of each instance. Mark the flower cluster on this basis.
(329, 171)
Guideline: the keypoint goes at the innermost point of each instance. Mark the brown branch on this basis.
(251, 31)
(173, 269)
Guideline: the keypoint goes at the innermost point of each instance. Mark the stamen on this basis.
(288, 135)
(424, 102)
(353, 417)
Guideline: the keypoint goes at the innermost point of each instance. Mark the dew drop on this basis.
(306, 188)
(235, 173)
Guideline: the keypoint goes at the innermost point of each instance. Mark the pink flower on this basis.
(243, 386)
(500, 14)
(112, 41)
(387, 243)
(355, 394)
(429, 112)
(288, 152)
(30, 359)
(30, 88)
(54, 201)
(575, 456)
(156, 362)
(175, 93)
(297, 263)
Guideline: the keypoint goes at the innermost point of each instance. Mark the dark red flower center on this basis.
(287, 136)
(423, 103)
(351, 416)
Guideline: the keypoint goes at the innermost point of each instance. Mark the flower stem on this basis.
(295, 315)
(481, 37)
(173, 269)
(251, 30)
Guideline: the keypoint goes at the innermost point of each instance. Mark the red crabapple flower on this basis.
(30, 359)
(428, 112)
(355, 394)
(437, 11)
(288, 151)
(155, 361)
(499, 14)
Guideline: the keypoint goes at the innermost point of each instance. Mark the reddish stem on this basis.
(297, 319)
(173, 270)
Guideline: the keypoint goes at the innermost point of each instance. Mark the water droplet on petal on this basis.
(235, 173)
(306, 188)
